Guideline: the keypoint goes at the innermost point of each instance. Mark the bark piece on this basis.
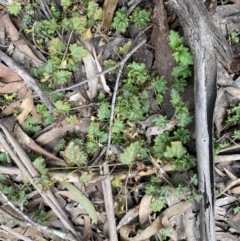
(163, 52)
(207, 45)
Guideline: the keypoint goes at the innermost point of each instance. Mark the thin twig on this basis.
(107, 188)
(30, 222)
(25, 165)
(28, 79)
(19, 235)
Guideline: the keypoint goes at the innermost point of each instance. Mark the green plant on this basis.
(120, 20)
(40, 215)
(61, 143)
(14, 194)
(165, 233)
(157, 205)
(233, 117)
(140, 17)
(14, 8)
(31, 125)
(234, 36)
(43, 181)
(3, 158)
(236, 210)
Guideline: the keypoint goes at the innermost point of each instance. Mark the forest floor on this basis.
(97, 137)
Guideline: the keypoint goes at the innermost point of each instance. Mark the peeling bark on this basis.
(208, 46)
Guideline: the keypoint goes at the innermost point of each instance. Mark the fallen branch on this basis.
(30, 222)
(207, 45)
(25, 165)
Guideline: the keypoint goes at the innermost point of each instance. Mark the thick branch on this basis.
(208, 46)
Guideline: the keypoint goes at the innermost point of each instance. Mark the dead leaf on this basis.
(23, 48)
(10, 28)
(126, 232)
(233, 95)
(91, 70)
(11, 87)
(102, 77)
(27, 105)
(109, 7)
(225, 201)
(23, 138)
(233, 183)
(10, 108)
(128, 217)
(156, 130)
(7, 75)
(145, 211)
(59, 130)
(226, 158)
(236, 190)
(174, 210)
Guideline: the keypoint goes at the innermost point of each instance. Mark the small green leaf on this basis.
(66, 3)
(175, 40)
(83, 200)
(160, 121)
(183, 56)
(77, 52)
(49, 68)
(157, 205)
(62, 107)
(78, 24)
(140, 17)
(92, 7)
(62, 76)
(124, 49)
(181, 71)
(14, 8)
(118, 126)
(120, 20)
(159, 84)
(176, 150)
(104, 111)
(130, 153)
(75, 155)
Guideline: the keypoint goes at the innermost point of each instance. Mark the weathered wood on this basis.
(208, 46)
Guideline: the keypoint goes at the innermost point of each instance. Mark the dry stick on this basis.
(208, 45)
(107, 188)
(19, 235)
(27, 78)
(30, 222)
(47, 195)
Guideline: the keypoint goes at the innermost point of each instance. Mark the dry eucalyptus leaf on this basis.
(11, 87)
(177, 209)
(8, 75)
(128, 217)
(27, 105)
(145, 211)
(23, 138)
(10, 28)
(126, 232)
(236, 190)
(91, 70)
